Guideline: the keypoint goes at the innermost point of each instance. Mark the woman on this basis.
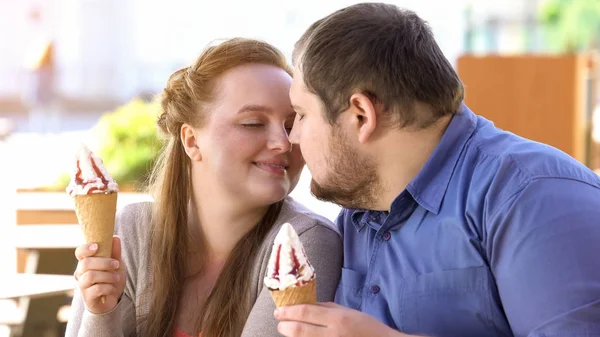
(193, 261)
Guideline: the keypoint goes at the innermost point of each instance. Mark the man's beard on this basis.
(351, 181)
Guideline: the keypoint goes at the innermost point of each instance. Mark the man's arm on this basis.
(544, 251)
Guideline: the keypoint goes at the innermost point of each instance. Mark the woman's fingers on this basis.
(96, 263)
(86, 250)
(116, 248)
(100, 279)
(93, 277)
(93, 293)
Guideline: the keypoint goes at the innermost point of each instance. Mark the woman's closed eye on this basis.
(253, 125)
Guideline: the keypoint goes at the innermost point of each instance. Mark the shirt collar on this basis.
(361, 217)
(429, 186)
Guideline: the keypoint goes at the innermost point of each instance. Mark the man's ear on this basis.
(364, 118)
(189, 139)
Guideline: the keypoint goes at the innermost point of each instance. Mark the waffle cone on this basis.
(306, 294)
(96, 215)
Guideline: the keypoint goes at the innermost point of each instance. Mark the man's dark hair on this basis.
(384, 52)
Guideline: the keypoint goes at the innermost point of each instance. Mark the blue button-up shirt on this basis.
(496, 236)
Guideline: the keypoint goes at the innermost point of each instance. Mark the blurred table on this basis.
(33, 286)
(47, 283)
(39, 298)
(35, 237)
(34, 208)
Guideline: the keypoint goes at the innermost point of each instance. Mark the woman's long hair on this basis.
(185, 99)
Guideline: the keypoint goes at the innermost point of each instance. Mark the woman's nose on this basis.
(279, 141)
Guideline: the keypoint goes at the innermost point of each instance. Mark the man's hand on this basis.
(329, 319)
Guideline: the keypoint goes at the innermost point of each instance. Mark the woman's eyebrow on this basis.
(255, 108)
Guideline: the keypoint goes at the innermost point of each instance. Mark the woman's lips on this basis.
(278, 169)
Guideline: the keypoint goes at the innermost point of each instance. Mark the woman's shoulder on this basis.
(133, 227)
(317, 233)
(133, 221)
(301, 218)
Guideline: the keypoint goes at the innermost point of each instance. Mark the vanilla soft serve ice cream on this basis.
(89, 175)
(94, 193)
(288, 265)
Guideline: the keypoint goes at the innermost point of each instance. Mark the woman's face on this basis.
(244, 146)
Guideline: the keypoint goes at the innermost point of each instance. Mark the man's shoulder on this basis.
(498, 167)
(511, 161)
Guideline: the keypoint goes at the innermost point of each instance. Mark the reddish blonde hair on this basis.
(186, 99)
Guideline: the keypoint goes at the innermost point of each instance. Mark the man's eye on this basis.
(300, 117)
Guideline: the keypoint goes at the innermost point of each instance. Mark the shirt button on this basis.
(375, 289)
(387, 236)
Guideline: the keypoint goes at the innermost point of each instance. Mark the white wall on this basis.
(115, 48)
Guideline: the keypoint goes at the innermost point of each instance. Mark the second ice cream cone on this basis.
(96, 215)
(306, 294)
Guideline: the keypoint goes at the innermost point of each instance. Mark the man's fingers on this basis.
(116, 248)
(86, 250)
(297, 329)
(90, 278)
(329, 305)
(312, 314)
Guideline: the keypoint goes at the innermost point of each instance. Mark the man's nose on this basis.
(294, 135)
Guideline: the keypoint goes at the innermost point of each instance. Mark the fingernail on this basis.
(114, 264)
(93, 246)
(276, 313)
(117, 277)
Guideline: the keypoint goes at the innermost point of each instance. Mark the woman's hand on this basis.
(99, 277)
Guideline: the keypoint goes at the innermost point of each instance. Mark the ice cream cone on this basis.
(96, 214)
(306, 294)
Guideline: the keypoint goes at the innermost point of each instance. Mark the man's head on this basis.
(361, 72)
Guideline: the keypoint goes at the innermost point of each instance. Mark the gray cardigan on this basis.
(322, 243)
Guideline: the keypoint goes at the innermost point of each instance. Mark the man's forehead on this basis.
(298, 85)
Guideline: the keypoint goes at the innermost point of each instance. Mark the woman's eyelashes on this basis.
(253, 125)
(259, 124)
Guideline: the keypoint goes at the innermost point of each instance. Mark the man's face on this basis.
(340, 173)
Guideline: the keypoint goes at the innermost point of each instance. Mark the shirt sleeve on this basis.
(121, 321)
(118, 322)
(323, 247)
(544, 250)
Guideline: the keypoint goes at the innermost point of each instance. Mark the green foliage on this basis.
(128, 142)
(571, 25)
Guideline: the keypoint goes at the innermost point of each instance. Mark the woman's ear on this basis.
(189, 140)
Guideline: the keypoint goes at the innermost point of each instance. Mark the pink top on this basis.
(179, 333)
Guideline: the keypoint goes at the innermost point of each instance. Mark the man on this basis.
(451, 226)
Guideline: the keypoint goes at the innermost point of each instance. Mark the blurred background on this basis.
(75, 71)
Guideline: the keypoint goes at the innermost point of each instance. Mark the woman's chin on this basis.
(270, 194)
